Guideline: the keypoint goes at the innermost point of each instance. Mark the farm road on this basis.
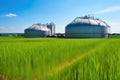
(75, 59)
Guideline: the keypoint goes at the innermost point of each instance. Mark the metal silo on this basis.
(87, 27)
(37, 30)
(51, 26)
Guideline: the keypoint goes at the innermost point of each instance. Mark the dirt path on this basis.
(68, 63)
(72, 61)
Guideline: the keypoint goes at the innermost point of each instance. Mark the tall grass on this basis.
(59, 59)
(101, 64)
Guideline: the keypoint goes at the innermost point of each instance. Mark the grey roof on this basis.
(90, 20)
(38, 27)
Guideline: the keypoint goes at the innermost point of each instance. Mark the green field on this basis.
(59, 59)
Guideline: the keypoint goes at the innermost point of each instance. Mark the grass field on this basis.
(59, 59)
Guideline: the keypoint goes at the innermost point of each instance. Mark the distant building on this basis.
(87, 27)
(40, 30)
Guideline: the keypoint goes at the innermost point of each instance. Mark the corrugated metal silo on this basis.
(87, 27)
(51, 26)
(37, 30)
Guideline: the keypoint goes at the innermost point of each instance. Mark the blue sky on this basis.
(16, 15)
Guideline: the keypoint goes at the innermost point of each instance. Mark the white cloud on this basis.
(10, 15)
(108, 10)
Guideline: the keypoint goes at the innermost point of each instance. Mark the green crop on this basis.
(59, 59)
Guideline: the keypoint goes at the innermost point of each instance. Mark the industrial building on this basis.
(81, 27)
(40, 30)
(87, 27)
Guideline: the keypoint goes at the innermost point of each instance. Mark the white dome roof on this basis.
(38, 27)
(89, 20)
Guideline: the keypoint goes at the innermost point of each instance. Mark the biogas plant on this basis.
(87, 27)
(40, 30)
(80, 27)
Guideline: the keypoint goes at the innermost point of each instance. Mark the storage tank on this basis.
(51, 26)
(37, 30)
(87, 27)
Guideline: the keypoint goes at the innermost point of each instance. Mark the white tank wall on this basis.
(91, 31)
(83, 35)
(36, 33)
